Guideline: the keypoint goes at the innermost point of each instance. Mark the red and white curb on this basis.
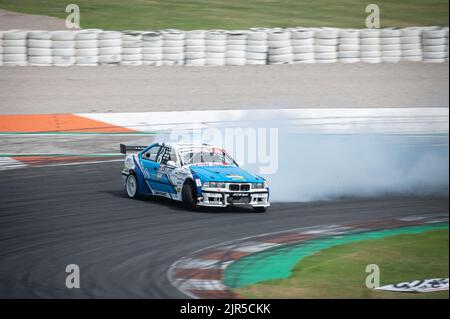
(200, 275)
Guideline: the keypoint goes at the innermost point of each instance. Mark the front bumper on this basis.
(215, 198)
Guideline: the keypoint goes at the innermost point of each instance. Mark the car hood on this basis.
(222, 173)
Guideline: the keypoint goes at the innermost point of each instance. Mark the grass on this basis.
(339, 272)
(236, 14)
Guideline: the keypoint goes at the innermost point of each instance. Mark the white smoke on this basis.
(314, 166)
(320, 167)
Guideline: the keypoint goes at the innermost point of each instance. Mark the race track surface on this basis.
(54, 216)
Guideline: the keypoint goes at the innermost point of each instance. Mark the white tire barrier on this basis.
(131, 48)
(279, 47)
(391, 45)
(152, 50)
(255, 46)
(110, 47)
(215, 43)
(435, 44)
(236, 48)
(14, 50)
(370, 47)
(302, 41)
(1, 48)
(39, 48)
(63, 44)
(349, 46)
(411, 44)
(195, 46)
(257, 49)
(326, 45)
(173, 47)
(86, 47)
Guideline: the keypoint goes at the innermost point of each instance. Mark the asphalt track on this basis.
(54, 216)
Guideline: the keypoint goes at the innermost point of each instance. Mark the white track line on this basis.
(346, 120)
(7, 163)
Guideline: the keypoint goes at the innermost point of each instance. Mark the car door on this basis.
(151, 167)
(164, 173)
(154, 161)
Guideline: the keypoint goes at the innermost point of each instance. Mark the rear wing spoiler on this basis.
(134, 148)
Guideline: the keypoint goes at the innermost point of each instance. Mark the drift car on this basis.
(196, 175)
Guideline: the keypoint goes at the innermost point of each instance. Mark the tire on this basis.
(303, 49)
(327, 42)
(34, 43)
(349, 33)
(349, 41)
(216, 49)
(39, 52)
(87, 34)
(302, 34)
(196, 62)
(235, 47)
(110, 35)
(131, 186)
(302, 42)
(257, 36)
(370, 41)
(259, 209)
(188, 195)
(63, 44)
(173, 50)
(195, 35)
(391, 41)
(325, 48)
(63, 35)
(369, 33)
(15, 35)
(195, 42)
(86, 44)
(174, 35)
(327, 33)
(411, 32)
(236, 42)
(15, 50)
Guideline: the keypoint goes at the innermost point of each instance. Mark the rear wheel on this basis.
(260, 209)
(189, 196)
(131, 186)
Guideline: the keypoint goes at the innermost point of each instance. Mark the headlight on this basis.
(213, 185)
(257, 185)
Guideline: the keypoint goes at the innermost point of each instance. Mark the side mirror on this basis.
(171, 164)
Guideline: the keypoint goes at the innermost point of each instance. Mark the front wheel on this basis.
(189, 196)
(260, 209)
(131, 186)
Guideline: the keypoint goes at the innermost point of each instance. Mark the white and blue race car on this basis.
(196, 175)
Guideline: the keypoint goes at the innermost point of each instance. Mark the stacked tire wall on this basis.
(91, 47)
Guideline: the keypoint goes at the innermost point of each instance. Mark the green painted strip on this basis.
(277, 263)
(60, 155)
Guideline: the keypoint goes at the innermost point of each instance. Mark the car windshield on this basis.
(206, 155)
